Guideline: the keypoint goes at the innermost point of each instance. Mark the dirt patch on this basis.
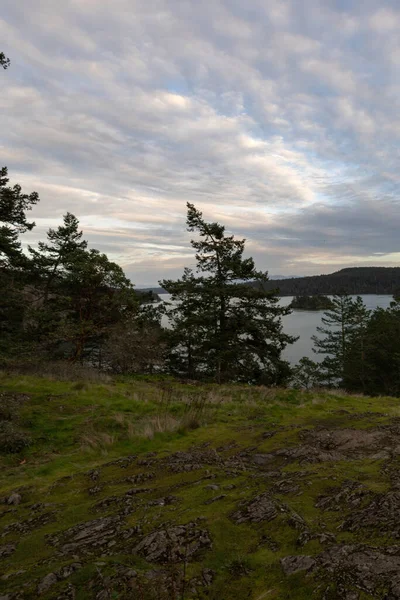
(180, 543)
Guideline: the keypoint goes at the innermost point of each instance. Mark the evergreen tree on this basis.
(379, 371)
(89, 296)
(307, 374)
(13, 220)
(222, 327)
(51, 259)
(4, 61)
(341, 327)
(14, 265)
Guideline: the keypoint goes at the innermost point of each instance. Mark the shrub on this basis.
(12, 439)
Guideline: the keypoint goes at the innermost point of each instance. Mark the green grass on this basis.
(78, 426)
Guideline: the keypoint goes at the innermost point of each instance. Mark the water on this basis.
(304, 323)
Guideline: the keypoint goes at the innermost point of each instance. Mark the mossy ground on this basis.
(76, 427)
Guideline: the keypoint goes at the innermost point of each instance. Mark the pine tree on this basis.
(341, 327)
(225, 326)
(379, 371)
(52, 258)
(13, 220)
(4, 61)
(14, 265)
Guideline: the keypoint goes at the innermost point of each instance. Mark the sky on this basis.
(278, 118)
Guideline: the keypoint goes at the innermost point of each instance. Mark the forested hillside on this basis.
(354, 280)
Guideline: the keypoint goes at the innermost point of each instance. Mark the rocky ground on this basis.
(306, 505)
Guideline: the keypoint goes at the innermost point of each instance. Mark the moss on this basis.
(76, 427)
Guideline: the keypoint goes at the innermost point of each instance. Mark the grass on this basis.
(80, 425)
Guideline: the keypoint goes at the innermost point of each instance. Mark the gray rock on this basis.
(215, 499)
(295, 564)
(174, 544)
(14, 499)
(46, 583)
(7, 550)
(212, 487)
(261, 508)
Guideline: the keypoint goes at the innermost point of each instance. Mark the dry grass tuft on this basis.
(96, 440)
(159, 424)
(61, 371)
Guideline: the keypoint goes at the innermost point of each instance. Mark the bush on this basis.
(12, 439)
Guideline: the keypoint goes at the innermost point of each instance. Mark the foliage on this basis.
(352, 281)
(14, 266)
(222, 328)
(342, 325)
(13, 220)
(316, 302)
(90, 440)
(136, 343)
(373, 364)
(307, 374)
(4, 61)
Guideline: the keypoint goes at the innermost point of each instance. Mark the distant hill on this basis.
(352, 280)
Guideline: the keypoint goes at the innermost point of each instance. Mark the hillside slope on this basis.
(354, 280)
(159, 490)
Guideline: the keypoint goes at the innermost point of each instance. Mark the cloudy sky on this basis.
(278, 118)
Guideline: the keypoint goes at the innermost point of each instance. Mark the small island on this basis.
(316, 302)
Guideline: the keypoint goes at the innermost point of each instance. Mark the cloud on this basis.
(278, 118)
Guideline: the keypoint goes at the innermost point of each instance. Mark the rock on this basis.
(212, 487)
(68, 570)
(174, 544)
(23, 527)
(7, 550)
(349, 495)
(215, 499)
(261, 508)
(140, 477)
(286, 486)
(93, 474)
(47, 583)
(95, 490)
(167, 500)
(91, 537)
(370, 569)
(135, 491)
(14, 499)
(69, 593)
(380, 514)
(295, 564)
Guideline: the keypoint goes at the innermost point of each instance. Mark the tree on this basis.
(379, 371)
(92, 295)
(136, 343)
(51, 259)
(307, 374)
(14, 265)
(341, 327)
(4, 61)
(13, 220)
(222, 327)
